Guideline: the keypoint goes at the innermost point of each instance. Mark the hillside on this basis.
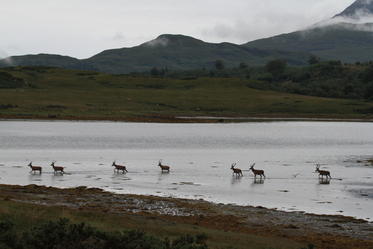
(70, 94)
(342, 41)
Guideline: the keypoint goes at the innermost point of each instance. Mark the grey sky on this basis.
(82, 28)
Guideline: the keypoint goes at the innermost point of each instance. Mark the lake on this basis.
(200, 156)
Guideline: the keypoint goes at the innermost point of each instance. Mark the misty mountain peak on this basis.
(359, 9)
(172, 40)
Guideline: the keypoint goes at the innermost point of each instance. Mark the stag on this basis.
(118, 168)
(35, 168)
(58, 169)
(164, 168)
(257, 172)
(237, 172)
(322, 173)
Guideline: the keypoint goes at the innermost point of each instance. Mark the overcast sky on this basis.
(82, 28)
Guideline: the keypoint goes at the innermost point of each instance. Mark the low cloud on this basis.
(5, 58)
(119, 37)
(159, 42)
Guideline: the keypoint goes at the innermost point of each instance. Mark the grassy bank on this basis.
(67, 94)
(226, 226)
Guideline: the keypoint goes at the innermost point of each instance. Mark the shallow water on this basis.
(200, 156)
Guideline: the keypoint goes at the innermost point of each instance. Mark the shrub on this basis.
(62, 234)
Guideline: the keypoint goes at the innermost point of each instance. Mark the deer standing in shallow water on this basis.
(119, 168)
(322, 173)
(237, 172)
(257, 172)
(35, 168)
(163, 167)
(58, 169)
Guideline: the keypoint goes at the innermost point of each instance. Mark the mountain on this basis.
(344, 37)
(358, 9)
(178, 52)
(342, 41)
(347, 36)
(175, 52)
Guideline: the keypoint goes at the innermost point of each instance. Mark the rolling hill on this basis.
(175, 52)
(178, 52)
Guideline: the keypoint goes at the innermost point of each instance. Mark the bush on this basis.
(64, 235)
(9, 81)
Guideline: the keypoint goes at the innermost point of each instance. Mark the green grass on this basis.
(25, 216)
(61, 93)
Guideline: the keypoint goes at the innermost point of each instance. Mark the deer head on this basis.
(233, 165)
(30, 164)
(317, 167)
(160, 162)
(113, 164)
(52, 164)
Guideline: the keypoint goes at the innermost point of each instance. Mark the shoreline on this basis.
(191, 119)
(345, 232)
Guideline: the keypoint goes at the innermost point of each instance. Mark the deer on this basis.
(35, 168)
(257, 172)
(58, 169)
(163, 167)
(118, 168)
(237, 172)
(322, 173)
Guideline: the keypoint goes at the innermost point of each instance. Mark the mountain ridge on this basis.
(337, 39)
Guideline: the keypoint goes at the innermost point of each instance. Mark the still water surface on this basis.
(200, 156)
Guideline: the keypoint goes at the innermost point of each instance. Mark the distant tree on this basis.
(313, 60)
(154, 71)
(369, 92)
(367, 75)
(243, 65)
(219, 65)
(348, 90)
(276, 68)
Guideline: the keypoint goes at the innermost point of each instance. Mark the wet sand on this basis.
(324, 231)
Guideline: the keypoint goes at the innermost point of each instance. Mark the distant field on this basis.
(70, 94)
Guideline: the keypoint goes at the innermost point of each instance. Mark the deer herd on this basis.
(166, 169)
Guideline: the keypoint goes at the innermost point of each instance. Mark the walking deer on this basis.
(237, 172)
(58, 169)
(257, 172)
(118, 168)
(163, 167)
(322, 173)
(35, 168)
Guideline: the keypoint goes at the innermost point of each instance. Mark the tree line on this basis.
(319, 78)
